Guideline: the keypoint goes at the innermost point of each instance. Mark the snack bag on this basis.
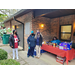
(69, 46)
(65, 46)
(61, 45)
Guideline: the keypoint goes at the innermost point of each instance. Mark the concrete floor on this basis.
(45, 59)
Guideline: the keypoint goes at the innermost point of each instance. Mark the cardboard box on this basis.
(65, 46)
(60, 59)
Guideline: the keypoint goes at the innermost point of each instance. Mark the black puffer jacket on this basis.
(31, 41)
(40, 40)
(11, 40)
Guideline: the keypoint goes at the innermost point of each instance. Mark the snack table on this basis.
(69, 54)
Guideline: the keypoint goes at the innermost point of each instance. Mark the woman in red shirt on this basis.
(14, 42)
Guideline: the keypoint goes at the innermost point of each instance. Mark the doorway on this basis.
(20, 32)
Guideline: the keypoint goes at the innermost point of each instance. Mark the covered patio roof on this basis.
(49, 13)
(60, 13)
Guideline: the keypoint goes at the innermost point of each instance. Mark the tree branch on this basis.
(3, 12)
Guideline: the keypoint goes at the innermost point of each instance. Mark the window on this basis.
(27, 28)
(65, 32)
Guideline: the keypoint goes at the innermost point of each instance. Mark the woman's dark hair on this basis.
(4, 33)
(14, 31)
(55, 37)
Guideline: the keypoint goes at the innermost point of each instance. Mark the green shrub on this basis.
(3, 54)
(9, 62)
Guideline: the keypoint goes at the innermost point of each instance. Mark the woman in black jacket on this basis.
(14, 42)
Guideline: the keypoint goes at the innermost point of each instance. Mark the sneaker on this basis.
(38, 57)
(13, 58)
(33, 56)
(17, 58)
(27, 55)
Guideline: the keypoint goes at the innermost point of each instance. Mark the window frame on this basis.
(27, 28)
(65, 32)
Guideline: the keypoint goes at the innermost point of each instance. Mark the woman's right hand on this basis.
(28, 47)
(11, 46)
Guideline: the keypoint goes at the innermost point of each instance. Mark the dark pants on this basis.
(31, 51)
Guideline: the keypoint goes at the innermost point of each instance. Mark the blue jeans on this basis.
(31, 51)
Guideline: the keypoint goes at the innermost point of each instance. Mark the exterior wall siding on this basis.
(36, 22)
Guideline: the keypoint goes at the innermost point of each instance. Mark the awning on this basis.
(59, 13)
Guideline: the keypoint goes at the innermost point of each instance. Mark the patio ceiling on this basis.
(59, 13)
(49, 13)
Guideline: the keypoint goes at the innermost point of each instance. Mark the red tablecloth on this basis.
(69, 54)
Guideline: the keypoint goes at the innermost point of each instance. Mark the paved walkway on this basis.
(23, 57)
(45, 59)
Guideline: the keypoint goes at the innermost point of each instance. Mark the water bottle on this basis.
(71, 42)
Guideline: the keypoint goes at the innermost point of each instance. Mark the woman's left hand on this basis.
(18, 40)
(40, 46)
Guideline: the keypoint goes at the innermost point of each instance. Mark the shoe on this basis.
(33, 56)
(17, 58)
(28, 56)
(13, 58)
(36, 57)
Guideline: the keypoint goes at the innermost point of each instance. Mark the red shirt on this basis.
(15, 42)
